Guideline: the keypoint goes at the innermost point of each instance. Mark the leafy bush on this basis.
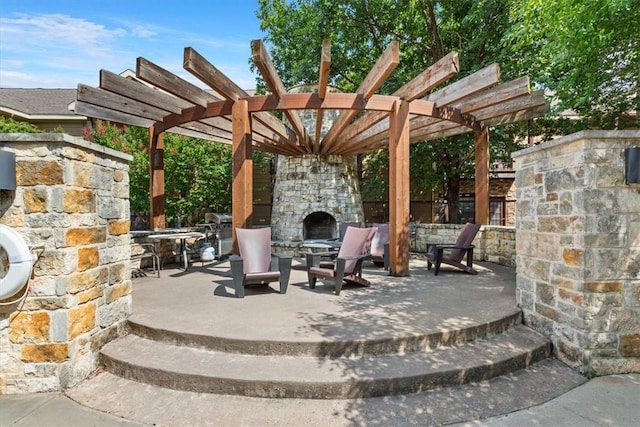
(9, 125)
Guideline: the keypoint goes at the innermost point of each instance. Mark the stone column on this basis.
(578, 249)
(72, 200)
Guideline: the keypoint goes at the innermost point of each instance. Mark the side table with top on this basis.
(183, 257)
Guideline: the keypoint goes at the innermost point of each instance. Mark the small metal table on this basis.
(183, 243)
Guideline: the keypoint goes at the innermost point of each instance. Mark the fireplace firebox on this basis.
(319, 225)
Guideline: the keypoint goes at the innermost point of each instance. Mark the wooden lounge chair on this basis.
(348, 263)
(254, 265)
(380, 246)
(462, 247)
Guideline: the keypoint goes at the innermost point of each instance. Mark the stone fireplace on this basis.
(314, 194)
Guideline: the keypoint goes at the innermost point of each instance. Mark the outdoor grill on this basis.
(218, 231)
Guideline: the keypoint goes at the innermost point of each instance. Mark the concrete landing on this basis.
(160, 406)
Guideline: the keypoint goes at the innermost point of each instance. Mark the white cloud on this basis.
(58, 50)
(143, 32)
(50, 34)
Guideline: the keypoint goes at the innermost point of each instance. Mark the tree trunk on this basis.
(453, 198)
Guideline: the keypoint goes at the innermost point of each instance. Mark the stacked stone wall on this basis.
(72, 200)
(314, 183)
(578, 249)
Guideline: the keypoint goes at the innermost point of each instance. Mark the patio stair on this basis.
(325, 370)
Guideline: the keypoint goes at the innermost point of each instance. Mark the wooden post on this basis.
(399, 189)
(156, 181)
(242, 189)
(482, 176)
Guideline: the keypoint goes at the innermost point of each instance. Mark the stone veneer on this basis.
(313, 183)
(578, 249)
(73, 200)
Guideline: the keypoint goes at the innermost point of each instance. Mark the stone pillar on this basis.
(72, 200)
(578, 249)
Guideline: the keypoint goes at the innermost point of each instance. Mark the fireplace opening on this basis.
(319, 225)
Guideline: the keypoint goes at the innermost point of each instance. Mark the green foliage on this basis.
(360, 31)
(587, 52)
(197, 172)
(197, 177)
(9, 125)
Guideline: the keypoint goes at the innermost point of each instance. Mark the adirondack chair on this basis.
(457, 251)
(254, 266)
(380, 246)
(348, 263)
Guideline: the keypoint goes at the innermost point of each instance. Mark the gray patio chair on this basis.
(348, 263)
(256, 265)
(141, 252)
(458, 250)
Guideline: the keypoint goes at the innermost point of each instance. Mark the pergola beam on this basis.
(242, 165)
(210, 75)
(138, 91)
(156, 180)
(323, 82)
(382, 69)
(377, 135)
(399, 189)
(169, 82)
(481, 178)
(430, 78)
(265, 66)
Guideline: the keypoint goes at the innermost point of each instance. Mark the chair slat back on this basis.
(380, 239)
(355, 243)
(255, 248)
(468, 233)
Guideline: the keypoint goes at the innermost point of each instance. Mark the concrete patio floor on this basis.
(201, 301)
(200, 304)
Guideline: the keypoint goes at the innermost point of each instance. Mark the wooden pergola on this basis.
(368, 121)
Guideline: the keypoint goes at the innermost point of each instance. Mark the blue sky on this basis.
(60, 43)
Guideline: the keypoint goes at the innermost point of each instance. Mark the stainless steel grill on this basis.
(218, 231)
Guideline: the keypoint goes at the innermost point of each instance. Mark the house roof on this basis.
(30, 103)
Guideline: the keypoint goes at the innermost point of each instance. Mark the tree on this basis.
(360, 30)
(588, 53)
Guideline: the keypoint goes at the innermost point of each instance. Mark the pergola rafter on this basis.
(228, 114)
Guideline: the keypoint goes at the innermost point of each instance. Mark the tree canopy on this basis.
(577, 49)
(359, 31)
(588, 53)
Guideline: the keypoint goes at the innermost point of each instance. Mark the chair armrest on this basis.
(313, 260)
(448, 246)
(355, 257)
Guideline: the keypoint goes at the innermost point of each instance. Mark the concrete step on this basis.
(153, 405)
(376, 342)
(312, 377)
